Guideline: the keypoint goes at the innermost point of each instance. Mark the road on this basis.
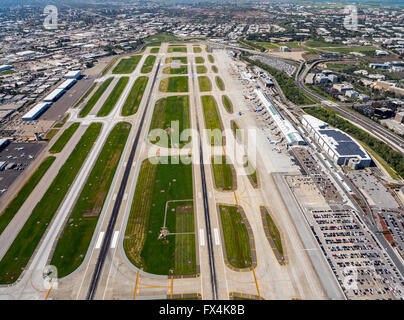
(374, 128)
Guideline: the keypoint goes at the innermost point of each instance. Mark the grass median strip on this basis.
(183, 60)
(175, 108)
(220, 83)
(180, 70)
(214, 69)
(174, 84)
(128, 65)
(211, 59)
(223, 174)
(135, 96)
(212, 120)
(227, 104)
(204, 84)
(148, 64)
(113, 98)
(95, 97)
(77, 234)
(8, 214)
(201, 69)
(176, 49)
(160, 233)
(21, 250)
(85, 95)
(236, 238)
(199, 60)
(64, 138)
(155, 50)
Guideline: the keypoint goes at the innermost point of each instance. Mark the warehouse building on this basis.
(36, 111)
(73, 75)
(340, 147)
(290, 133)
(66, 85)
(54, 95)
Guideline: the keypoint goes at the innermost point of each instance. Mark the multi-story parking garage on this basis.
(340, 147)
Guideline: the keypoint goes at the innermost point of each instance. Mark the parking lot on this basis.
(361, 268)
(375, 192)
(17, 157)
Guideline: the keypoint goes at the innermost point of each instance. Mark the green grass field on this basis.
(236, 239)
(180, 70)
(274, 232)
(204, 84)
(174, 84)
(127, 65)
(220, 83)
(113, 98)
(266, 45)
(8, 214)
(199, 60)
(321, 44)
(64, 138)
(62, 122)
(135, 96)
(160, 37)
(86, 95)
(211, 59)
(73, 244)
(155, 50)
(227, 104)
(236, 130)
(95, 97)
(183, 60)
(212, 120)
(252, 173)
(148, 64)
(369, 51)
(21, 250)
(223, 174)
(176, 49)
(201, 69)
(214, 69)
(51, 133)
(197, 49)
(175, 108)
(174, 254)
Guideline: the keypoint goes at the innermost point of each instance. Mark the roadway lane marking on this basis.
(99, 241)
(114, 197)
(200, 195)
(124, 164)
(201, 238)
(217, 237)
(125, 196)
(114, 240)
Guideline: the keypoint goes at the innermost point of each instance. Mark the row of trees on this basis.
(393, 158)
(287, 84)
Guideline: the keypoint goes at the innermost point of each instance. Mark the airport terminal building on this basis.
(291, 135)
(340, 147)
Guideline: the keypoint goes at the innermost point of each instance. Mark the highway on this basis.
(374, 128)
(109, 232)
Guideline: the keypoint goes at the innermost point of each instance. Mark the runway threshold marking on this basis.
(256, 283)
(99, 240)
(201, 238)
(137, 281)
(114, 239)
(217, 237)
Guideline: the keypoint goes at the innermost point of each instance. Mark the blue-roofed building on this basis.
(340, 147)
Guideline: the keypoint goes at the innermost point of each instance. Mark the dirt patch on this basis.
(184, 209)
